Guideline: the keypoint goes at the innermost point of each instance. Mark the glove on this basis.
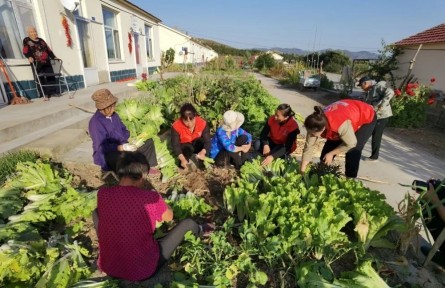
(129, 147)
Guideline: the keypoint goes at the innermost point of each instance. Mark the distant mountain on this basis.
(350, 54)
(223, 49)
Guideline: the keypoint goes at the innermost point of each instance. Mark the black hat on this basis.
(363, 79)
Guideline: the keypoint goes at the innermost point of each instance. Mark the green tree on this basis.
(264, 62)
(383, 68)
(334, 61)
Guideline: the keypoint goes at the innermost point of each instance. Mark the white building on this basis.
(430, 60)
(111, 40)
(186, 50)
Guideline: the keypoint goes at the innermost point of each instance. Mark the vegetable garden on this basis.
(275, 227)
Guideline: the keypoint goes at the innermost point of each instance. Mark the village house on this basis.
(430, 60)
(187, 51)
(103, 41)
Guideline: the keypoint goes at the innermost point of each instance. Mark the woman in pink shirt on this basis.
(128, 215)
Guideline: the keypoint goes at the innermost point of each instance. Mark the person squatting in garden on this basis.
(110, 136)
(279, 135)
(190, 137)
(347, 125)
(39, 54)
(126, 218)
(379, 96)
(435, 222)
(231, 143)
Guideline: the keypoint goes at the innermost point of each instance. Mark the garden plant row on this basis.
(281, 229)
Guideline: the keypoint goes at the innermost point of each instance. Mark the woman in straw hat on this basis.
(279, 135)
(231, 144)
(110, 136)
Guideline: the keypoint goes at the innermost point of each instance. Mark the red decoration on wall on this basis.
(130, 45)
(66, 26)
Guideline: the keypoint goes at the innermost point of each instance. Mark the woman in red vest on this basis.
(279, 135)
(190, 135)
(347, 126)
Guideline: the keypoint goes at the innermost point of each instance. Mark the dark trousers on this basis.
(435, 226)
(45, 80)
(352, 156)
(274, 147)
(225, 157)
(377, 137)
(147, 149)
(174, 237)
(188, 149)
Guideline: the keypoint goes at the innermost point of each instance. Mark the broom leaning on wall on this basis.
(15, 99)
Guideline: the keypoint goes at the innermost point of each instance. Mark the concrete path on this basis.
(400, 162)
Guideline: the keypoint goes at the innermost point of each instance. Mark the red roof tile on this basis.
(432, 35)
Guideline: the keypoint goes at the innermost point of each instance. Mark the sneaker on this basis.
(206, 229)
(154, 171)
(368, 159)
(438, 258)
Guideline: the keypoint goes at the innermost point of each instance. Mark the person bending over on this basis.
(347, 125)
(379, 96)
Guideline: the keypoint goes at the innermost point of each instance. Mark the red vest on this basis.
(278, 133)
(338, 112)
(187, 136)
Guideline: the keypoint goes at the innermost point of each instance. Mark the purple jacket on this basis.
(107, 133)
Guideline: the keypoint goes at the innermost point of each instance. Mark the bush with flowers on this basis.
(409, 105)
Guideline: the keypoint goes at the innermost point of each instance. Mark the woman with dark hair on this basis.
(126, 218)
(279, 135)
(347, 125)
(190, 135)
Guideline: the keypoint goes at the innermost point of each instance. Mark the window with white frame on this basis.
(111, 34)
(15, 16)
(149, 44)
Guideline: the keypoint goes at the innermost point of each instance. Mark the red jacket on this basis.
(338, 112)
(187, 136)
(278, 133)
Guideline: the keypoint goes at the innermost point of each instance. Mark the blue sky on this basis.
(354, 25)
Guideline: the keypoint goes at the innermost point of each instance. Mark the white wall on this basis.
(48, 14)
(171, 38)
(130, 19)
(430, 62)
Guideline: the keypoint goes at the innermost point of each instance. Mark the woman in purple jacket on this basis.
(110, 136)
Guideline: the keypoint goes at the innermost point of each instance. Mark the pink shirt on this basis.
(127, 220)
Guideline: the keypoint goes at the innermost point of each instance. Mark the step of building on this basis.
(57, 143)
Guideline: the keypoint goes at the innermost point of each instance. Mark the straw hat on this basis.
(232, 120)
(103, 98)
